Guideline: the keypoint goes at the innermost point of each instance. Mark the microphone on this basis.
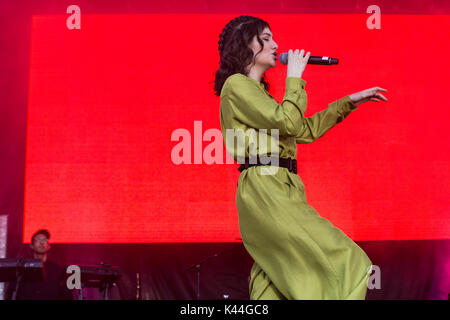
(312, 59)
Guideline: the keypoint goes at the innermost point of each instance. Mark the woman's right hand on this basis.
(297, 63)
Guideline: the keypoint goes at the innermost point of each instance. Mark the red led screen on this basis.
(104, 101)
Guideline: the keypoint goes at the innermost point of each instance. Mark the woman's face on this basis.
(267, 58)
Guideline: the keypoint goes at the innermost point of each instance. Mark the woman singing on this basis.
(297, 253)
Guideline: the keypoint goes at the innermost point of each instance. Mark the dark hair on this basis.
(42, 231)
(235, 55)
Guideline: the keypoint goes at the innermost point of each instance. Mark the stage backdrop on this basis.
(105, 100)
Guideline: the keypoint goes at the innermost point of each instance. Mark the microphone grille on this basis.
(284, 58)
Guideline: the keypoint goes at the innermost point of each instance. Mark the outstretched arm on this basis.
(317, 125)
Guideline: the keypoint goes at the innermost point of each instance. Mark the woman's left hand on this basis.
(368, 95)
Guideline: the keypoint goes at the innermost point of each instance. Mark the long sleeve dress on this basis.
(297, 253)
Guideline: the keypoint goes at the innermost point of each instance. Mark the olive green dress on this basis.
(298, 254)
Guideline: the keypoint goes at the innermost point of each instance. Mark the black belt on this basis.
(290, 164)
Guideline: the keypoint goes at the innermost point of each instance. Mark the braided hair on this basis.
(235, 55)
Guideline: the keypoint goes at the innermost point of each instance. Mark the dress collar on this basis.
(260, 84)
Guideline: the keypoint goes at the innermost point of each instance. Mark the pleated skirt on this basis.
(298, 255)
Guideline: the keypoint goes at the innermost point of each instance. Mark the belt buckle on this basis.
(290, 165)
